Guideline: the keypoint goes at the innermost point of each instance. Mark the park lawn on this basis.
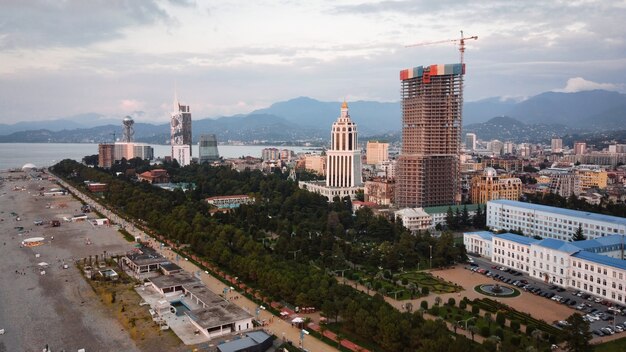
(612, 346)
(435, 285)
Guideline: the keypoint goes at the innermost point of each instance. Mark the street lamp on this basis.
(466, 320)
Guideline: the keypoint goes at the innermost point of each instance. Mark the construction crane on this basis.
(461, 42)
(113, 134)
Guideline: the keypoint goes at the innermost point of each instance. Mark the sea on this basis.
(15, 155)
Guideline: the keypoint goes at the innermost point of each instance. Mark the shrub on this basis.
(451, 302)
(516, 340)
(425, 290)
(463, 305)
(529, 329)
(500, 333)
(484, 331)
(475, 309)
(500, 318)
(515, 325)
(424, 305)
(405, 281)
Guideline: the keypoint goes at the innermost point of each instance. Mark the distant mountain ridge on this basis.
(305, 118)
(505, 129)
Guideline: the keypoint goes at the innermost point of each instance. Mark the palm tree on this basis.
(473, 329)
(322, 329)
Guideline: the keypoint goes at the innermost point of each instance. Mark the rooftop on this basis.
(486, 235)
(569, 247)
(412, 212)
(146, 256)
(217, 315)
(517, 238)
(565, 212)
(252, 339)
(601, 259)
(175, 279)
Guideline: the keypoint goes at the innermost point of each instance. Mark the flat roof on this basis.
(252, 339)
(601, 259)
(517, 238)
(218, 315)
(203, 293)
(175, 279)
(486, 235)
(146, 256)
(170, 266)
(562, 211)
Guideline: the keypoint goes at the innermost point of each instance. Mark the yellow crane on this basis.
(461, 42)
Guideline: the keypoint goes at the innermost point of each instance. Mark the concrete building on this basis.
(131, 150)
(143, 263)
(376, 152)
(495, 147)
(270, 154)
(550, 222)
(207, 147)
(154, 176)
(556, 145)
(229, 202)
(180, 128)
(580, 148)
(478, 243)
(470, 141)
(428, 165)
(591, 178)
(343, 161)
(596, 267)
(414, 219)
(315, 163)
(563, 182)
(379, 191)
(211, 314)
(106, 155)
(508, 148)
(490, 186)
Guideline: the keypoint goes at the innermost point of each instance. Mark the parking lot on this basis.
(605, 318)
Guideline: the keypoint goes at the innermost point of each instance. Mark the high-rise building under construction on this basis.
(428, 166)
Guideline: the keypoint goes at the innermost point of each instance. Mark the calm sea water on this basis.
(14, 155)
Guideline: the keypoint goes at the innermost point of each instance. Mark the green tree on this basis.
(578, 235)
(450, 219)
(465, 218)
(577, 334)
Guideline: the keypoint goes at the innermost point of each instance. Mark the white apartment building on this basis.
(594, 266)
(550, 222)
(414, 219)
(478, 243)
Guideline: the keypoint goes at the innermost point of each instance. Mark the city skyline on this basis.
(121, 58)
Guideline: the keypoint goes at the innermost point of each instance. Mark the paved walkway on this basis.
(281, 328)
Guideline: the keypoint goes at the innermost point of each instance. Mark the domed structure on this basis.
(28, 166)
(129, 131)
(490, 172)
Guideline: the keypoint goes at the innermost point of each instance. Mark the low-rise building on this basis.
(229, 202)
(143, 262)
(379, 191)
(478, 243)
(594, 266)
(490, 186)
(414, 219)
(154, 176)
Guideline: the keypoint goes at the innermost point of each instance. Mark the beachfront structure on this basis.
(211, 314)
(143, 263)
(180, 129)
(595, 266)
(428, 165)
(343, 161)
(550, 222)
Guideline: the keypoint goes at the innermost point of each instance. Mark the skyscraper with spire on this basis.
(180, 127)
(343, 161)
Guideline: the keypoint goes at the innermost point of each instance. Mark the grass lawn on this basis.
(612, 346)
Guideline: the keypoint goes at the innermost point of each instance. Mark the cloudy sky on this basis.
(64, 57)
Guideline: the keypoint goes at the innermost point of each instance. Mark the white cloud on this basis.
(130, 105)
(579, 84)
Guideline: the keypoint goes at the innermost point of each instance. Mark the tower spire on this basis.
(176, 103)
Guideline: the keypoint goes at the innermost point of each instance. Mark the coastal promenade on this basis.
(283, 329)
